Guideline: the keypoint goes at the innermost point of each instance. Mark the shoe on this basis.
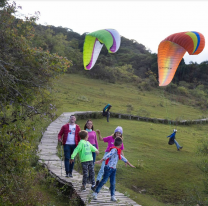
(113, 199)
(70, 175)
(95, 195)
(93, 188)
(67, 175)
(181, 147)
(178, 149)
(83, 188)
(97, 183)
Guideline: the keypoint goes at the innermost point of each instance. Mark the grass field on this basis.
(163, 175)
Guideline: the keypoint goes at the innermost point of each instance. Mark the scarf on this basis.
(118, 151)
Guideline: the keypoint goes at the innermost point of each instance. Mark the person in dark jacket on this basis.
(172, 140)
(106, 112)
(69, 137)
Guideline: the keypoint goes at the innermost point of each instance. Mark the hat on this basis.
(174, 130)
(119, 129)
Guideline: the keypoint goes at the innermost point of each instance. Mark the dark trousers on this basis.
(68, 150)
(108, 172)
(85, 167)
(106, 114)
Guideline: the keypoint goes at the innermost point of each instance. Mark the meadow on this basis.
(163, 175)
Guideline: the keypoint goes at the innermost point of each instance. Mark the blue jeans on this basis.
(108, 172)
(68, 150)
(101, 172)
(177, 145)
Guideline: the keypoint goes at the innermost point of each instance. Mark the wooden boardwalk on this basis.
(48, 155)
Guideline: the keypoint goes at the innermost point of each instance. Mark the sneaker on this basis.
(178, 149)
(83, 188)
(67, 175)
(113, 198)
(95, 195)
(93, 188)
(97, 183)
(70, 175)
(181, 147)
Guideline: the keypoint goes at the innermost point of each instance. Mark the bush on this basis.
(182, 90)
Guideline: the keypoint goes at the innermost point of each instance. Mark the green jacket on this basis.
(85, 149)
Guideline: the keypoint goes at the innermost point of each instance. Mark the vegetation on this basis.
(33, 60)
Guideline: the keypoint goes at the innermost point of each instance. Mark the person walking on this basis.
(69, 137)
(172, 140)
(110, 140)
(85, 150)
(111, 160)
(106, 112)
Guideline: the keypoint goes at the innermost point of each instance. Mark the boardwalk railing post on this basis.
(61, 158)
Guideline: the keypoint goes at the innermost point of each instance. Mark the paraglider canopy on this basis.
(94, 42)
(171, 51)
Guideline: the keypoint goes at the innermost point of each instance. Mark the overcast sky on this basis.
(148, 22)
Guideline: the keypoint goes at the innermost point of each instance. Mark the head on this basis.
(72, 119)
(83, 134)
(88, 124)
(175, 130)
(118, 132)
(118, 142)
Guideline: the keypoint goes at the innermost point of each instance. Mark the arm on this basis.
(126, 161)
(97, 152)
(60, 134)
(96, 142)
(130, 164)
(98, 132)
(122, 153)
(77, 149)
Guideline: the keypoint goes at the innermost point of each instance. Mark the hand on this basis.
(71, 161)
(60, 140)
(98, 131)
(130, 164)
(99, 162)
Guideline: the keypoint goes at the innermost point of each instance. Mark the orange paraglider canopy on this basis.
(171, 51)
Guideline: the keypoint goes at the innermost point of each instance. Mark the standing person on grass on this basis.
(172, 140)
(110, 140)
(69, 137)
(85, 150)
(111, 160)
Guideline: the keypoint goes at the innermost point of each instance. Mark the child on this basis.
(85, 150)
(172, 140)
(110, 140)
(111, 160)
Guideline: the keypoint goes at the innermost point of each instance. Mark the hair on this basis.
(72, 115)
(114, 136)
(83, 134)
(118, 141)
(85, 127)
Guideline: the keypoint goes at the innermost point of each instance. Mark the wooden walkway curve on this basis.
(47, 151)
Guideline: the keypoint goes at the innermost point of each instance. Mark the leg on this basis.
(71, 166)
(108, 115)
(113, 181)
(85, 172)
(94, 154)
(106, 175)
(91, 172)
(177, 145)
(100, 173)
(66, 157)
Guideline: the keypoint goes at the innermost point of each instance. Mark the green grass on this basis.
(167, 175)
(77, 93)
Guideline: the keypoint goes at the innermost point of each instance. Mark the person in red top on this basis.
(69, 136)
